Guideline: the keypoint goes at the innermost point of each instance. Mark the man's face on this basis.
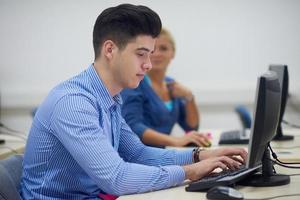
(130, 64)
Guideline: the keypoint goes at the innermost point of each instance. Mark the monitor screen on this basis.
(266, 115)
(283, 76)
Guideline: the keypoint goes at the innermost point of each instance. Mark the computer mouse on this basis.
(223, 193)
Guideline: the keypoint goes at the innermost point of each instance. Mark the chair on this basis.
(10, 177)
(244, 116)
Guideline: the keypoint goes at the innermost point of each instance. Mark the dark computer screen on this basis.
(266, 117)
(283, 76)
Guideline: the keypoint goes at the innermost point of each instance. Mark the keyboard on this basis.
(224, 178)
(235, 137)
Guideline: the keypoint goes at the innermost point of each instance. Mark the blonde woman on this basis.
(152, 109)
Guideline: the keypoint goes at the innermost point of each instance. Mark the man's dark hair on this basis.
(123, 23)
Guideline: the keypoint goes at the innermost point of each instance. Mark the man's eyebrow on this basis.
(143, 49)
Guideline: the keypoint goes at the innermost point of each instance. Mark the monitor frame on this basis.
(266, 116)
(283, 76)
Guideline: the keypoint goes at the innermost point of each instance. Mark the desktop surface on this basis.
(248, 192)
(286, 151)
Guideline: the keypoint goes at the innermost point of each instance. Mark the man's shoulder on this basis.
(74, 88)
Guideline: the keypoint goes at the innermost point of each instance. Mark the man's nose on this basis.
(147, 65)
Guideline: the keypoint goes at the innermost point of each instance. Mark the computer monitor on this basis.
(283, 76)
(259, 167)
(266, 117)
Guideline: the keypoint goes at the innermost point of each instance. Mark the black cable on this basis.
(290, 124)
(286, 166)
(279, 161)
(9, 129)
(275, 197)
(291, 147)
(292, 104)
(15, 134)
(293, 174)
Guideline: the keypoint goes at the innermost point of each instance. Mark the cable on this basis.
(11, 149)
(292, 147)
(275, 197)
(9, 129)
(12, 132)
(286, 166)
(290, 124)
(294, 174)
(292, 104)
(279, 161)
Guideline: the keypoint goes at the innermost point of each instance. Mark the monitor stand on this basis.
(267, 177)
(279, 135)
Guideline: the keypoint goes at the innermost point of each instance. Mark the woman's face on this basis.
(163, 53)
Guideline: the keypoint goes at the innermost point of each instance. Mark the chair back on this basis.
(10, 177)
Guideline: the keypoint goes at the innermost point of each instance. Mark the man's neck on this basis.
(105, 75)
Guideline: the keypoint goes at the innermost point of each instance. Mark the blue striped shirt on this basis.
(79, 146)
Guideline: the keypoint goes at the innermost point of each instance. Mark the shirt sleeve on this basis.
(75, 122)
(132, 110)
(133, 150)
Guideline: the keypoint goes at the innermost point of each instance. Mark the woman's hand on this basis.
(193, 137)
(178, 90)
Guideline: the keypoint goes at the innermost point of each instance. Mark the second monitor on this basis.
(242, 136)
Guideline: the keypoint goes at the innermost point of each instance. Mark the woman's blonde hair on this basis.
(169, 36)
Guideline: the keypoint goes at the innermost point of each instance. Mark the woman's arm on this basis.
(152, 137)
(192, 116)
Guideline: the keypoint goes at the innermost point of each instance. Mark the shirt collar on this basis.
(101, 90)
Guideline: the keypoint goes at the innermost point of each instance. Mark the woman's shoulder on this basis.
(135, 91)
(169, 79)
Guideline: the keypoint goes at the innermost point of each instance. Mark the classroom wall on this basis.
(222, 45)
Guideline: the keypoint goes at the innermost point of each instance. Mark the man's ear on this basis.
(108, 48)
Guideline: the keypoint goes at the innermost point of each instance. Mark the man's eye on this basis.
(140, 54)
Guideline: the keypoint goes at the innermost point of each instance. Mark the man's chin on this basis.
(134, 85)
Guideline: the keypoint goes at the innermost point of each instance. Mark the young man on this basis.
(80, 147)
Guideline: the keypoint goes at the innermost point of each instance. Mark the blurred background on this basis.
(222, 47)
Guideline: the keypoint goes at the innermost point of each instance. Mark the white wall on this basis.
(222, 46)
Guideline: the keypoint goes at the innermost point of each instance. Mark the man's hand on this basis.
(238, 154)
(203, 168)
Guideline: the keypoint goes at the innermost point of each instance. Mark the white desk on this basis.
(286, 151)
(290, 150)
(20, 122)
(12, 145)
(249, 192)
